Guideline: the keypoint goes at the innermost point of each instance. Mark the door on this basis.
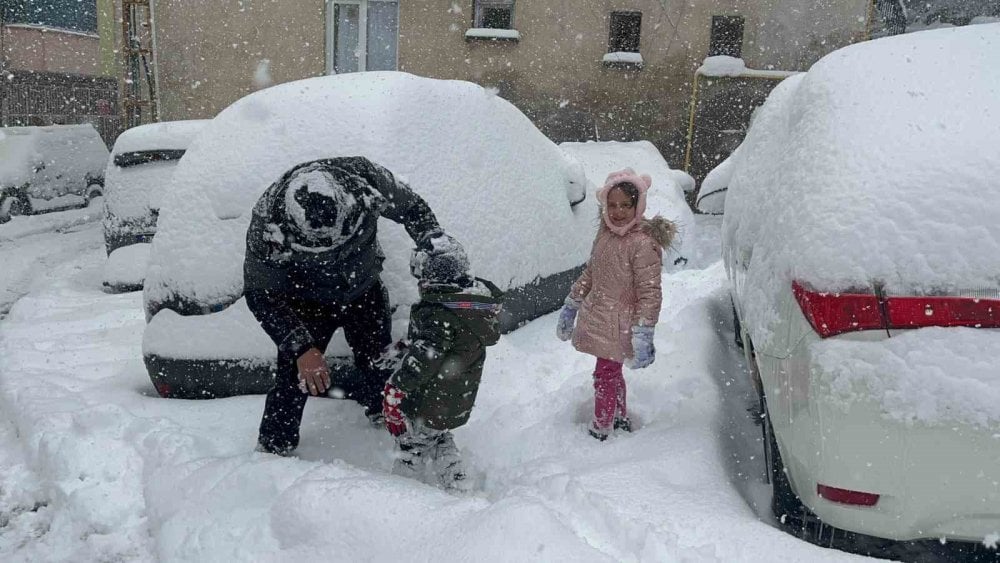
(361, 35)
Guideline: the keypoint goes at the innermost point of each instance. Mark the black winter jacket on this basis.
(278, 276)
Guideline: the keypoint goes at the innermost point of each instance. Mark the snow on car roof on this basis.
(880, 163)
(166, 135)
(493, 180)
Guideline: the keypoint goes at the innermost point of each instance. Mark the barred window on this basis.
(494, 14)
(625, 30)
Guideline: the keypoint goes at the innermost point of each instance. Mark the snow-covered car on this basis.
(138, 173)
(514, 199)
(712, 194)
(49, 168)
(861, 238)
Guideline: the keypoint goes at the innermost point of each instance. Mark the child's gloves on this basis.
(395, 420)
(642, 347)
(567, 318)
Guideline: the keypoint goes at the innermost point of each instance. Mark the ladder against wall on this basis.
(138, 79)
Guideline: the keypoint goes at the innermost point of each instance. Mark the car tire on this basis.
(94, 191)
(12, 205)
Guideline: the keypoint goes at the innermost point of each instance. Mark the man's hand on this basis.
(314, 374)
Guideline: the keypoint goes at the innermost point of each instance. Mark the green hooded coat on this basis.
(449, 331)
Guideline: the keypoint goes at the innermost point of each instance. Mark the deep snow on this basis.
(97, 467)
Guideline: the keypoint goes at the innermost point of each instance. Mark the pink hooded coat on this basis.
(620, 286)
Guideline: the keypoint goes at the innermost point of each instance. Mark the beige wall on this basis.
(209, 52)
(556, 67)
(51, 50)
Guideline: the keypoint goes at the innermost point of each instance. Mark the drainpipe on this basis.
(156, 61)
(4, 81)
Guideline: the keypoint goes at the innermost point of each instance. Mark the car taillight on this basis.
(836, 313)
(914, 312)
(846, 496)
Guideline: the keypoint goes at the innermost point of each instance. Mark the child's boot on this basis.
(414, 452)
(598, 433)
(447, 464)
(623, 423)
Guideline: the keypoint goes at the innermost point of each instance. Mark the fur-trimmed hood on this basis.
(663, 231)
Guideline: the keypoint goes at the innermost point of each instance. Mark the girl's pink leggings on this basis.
(609, 393)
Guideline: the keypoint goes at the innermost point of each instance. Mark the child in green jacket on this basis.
(433, 389)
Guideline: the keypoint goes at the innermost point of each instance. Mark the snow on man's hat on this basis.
(320, 208)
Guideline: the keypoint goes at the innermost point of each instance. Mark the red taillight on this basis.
(845, 496)
(912, 312)
(836, 313)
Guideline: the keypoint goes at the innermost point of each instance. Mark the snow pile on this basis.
(872, 167)
(665, 197)
(126, 266)
(55, 159)
(493, 180)
(166, 135)
(110, 472)
(930, 376)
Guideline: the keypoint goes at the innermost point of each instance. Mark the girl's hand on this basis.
(642, 347)
(567, 318)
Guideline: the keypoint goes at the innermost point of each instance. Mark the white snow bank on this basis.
(665, 197)
(493, 180)
(931, 376)
(28, 225)
(845, 178)
(166, 135)
(126, 266)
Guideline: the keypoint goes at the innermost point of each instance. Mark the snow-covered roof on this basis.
(166, 135)
(493, 180)
(881, 164)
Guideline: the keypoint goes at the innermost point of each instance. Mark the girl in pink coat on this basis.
(618, 295)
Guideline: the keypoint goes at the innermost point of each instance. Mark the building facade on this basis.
(58, 68)
(581, 69)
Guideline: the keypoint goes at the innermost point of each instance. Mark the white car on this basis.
(137, 175)
(518, 204)
(862, 242)
(49, 168)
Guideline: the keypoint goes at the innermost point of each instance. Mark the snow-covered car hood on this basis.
(880, 163)
(493, 180)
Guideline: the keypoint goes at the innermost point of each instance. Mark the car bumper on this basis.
(934, 481)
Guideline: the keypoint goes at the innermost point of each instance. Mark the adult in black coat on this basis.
(312, 266)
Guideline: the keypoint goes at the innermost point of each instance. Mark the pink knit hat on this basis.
(642, 182)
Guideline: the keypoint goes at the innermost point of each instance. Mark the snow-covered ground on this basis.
(94, 466)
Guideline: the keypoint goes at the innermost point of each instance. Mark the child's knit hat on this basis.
(641, 182)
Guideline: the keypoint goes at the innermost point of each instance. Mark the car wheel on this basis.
(13, 205)
(94, 191)
(738, 338)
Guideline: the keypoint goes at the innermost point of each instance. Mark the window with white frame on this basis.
(361, 35)
(494, 14)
